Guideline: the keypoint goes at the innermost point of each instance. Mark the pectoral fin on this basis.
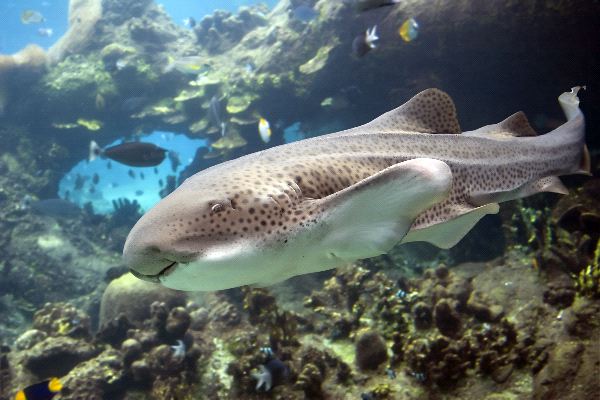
(371, 216)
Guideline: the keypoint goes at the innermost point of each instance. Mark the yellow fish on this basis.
(409, 30)
(45, 390)
(264, 130)
(90, 124)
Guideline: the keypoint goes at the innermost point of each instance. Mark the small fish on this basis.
(108, 165)
(92, 189)
(139, 192)
(214, 113)
(268, 351)
(189, 22)
(100, 102)
(264, 130)
(65, 125)
(25, 203)
(155, 171)
(79, 181)
(31, 17)
(45, 32)
(131, 173)
(142, 176)
(95, 179)
(271, 374)
(409, 30)
(134, 154)
(365, 42)
(366, 5)
(249, 68)
(419, 376)
(390, 373)
(90, 124)
(161, 183)
(44, 390)
(336, 102)
(304, 13)
(175, 161)
(192, 65)
(121, 63)
(179, 350)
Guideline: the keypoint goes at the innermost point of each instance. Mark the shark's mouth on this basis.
(156, 277)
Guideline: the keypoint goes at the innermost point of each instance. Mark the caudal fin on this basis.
(569, 103)
(95, 151)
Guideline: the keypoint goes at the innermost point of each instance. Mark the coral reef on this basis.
(371, 350)
(83, 17)
(159, 356)
(131, 297)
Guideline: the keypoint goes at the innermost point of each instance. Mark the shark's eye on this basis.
(217, 208)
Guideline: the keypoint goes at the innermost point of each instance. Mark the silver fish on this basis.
(318, 203)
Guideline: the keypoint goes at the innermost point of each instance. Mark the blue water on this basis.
(14, 35)
(115, 182)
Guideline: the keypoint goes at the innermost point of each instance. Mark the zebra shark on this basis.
(312, 205)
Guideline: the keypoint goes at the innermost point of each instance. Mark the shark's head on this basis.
(198, 238)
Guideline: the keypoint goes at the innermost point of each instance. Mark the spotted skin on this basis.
(266, 198)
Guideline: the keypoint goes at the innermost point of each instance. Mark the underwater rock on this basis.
(582, 318)
(5, 371)
(19, 70)
(318, 62)
(447, 320)
(83, 17)
(177, 322)
(309, 381)
(112, 53)
(222, 30)
(423, 315)
(132, 297)
(99, 378)
(114, 331)
(121, 10)
(560, 293)
(149, 32)
(29, 338)
(371, 350)
(200, 319)
(140, 371)
(224, 313)
(571, 373)
(62, 319)
(55, 356)
(131, 350)
(481, 310)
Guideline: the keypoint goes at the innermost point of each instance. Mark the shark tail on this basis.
(574, 128)
(95, 151)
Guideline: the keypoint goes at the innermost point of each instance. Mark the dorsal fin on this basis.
(516, 125)
(431, 111)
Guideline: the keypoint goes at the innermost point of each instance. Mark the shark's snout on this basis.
(155, 245)
(145, 256)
